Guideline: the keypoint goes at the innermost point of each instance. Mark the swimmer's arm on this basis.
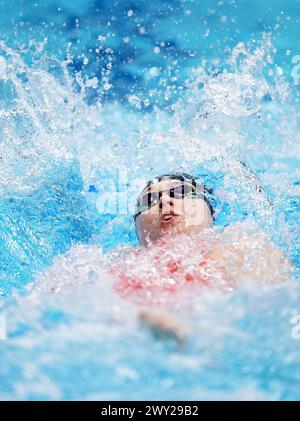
(164, 324)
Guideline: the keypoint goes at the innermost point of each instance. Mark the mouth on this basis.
(168, 218)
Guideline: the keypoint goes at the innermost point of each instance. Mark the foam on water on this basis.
(85, 342)
(70, 335)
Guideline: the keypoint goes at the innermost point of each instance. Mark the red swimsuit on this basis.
(153, 274)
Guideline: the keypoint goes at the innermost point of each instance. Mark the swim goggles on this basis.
(188, 188)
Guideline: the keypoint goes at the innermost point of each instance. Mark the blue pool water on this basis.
(99, 94)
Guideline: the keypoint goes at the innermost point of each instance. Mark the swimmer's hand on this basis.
(164, 324)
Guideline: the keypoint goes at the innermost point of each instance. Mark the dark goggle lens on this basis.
(181, 190)
(148, 199)
(152, 198)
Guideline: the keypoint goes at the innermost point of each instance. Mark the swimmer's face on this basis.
(172, 215)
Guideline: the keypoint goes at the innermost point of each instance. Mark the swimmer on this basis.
(165, 206)
(174, 204)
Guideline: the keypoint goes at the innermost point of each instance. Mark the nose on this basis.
(165, 202)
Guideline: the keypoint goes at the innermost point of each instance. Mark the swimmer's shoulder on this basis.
(248, 241)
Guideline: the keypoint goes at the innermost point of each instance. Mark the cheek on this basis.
(190, 208)
(195, 213)
(148, 224)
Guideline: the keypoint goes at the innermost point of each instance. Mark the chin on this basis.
(172, 231)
